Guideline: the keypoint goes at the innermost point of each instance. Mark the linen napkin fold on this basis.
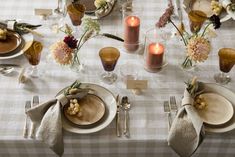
(187, 131)
(48, 116)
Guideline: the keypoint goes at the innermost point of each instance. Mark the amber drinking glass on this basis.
(226, 62)
(109, 57)
(196, 20)
(33, 54)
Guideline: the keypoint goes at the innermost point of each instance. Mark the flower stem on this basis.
(185, 43)
(205, 29)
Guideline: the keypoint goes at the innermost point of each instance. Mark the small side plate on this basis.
(92, 108)
(11, 43)
(219, 109)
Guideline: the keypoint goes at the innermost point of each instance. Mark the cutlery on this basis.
(6, 70)
(11, 65)
(168, 112)
(33, 126)
(27, 120)
(126, 106)
(173, 105)
(118, 132)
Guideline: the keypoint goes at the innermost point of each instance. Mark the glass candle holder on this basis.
(154, 52)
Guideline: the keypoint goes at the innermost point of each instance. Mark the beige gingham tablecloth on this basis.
(148, 125)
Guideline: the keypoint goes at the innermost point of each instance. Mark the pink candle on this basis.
(131, 33)
(154, 58)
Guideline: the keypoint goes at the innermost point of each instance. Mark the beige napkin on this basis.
(187, 131)
(48, 116)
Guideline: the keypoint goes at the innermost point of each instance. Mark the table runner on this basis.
(148, 124)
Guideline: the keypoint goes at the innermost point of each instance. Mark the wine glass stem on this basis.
(34, 72)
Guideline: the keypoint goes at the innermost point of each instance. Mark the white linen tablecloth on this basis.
(148, 124)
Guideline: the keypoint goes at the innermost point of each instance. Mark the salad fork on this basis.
(168, 112)
(35, 103)
(173, 105)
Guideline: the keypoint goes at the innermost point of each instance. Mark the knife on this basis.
(33, 126)
(12, 65)
(118, 131)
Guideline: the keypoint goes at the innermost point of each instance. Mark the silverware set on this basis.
(28, 123)
(124, 106)
(171, 109)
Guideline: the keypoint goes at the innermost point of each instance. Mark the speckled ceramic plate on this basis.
(92, 110)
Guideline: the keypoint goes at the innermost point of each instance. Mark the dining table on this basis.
(148, 121)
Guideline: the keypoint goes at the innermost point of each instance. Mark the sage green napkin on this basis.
(187, 131)
(48, 116)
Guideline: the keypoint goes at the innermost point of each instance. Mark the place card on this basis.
(43, 12)
(137, 84)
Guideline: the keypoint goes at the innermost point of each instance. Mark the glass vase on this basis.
(187, 64)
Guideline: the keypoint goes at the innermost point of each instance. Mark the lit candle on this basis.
(131, 33)
(154, 58)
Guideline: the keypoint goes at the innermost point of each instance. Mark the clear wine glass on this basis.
(109, 57)
(226, 62)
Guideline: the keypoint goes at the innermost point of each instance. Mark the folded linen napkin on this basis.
(48, 116)
(187, 131)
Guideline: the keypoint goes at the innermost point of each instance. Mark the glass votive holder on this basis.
(154, 51)
(128, 71)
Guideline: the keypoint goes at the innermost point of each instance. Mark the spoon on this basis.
(6, 70)
(126, 106)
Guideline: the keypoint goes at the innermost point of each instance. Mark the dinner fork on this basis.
(27, 120)
(173, 106)
(168, 112)
(33, 126)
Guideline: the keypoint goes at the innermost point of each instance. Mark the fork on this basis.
(27, 120)
(168, 112)
(32, 129)
(173, 106)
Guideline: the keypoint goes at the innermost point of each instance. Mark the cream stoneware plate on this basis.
(110, 111)
(227, 94)
(205, 6)
(219, 109)
(92, 109)
(27, 39)
(12, 41)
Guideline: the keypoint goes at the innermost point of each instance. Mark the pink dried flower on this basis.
(71, 41)
(164, 19)
(198, 49)
(62, 53)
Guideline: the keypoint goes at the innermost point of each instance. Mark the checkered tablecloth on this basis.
(148, 125)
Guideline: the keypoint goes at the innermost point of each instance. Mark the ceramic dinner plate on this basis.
(27, 39)
(12, 41)
(230, 96)
(92, 109)
(110, 111)
(89, 4)
(202, 5)
(219, 109)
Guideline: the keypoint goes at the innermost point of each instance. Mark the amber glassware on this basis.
(109, 57)
(33, 54)
(196, 20)
(76, 12)
(226, 62)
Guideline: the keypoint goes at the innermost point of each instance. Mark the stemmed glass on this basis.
(109, 57)
(33, 54)
(226, 62)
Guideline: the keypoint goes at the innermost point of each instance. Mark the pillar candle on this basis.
(131, 33)
(155, 52)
